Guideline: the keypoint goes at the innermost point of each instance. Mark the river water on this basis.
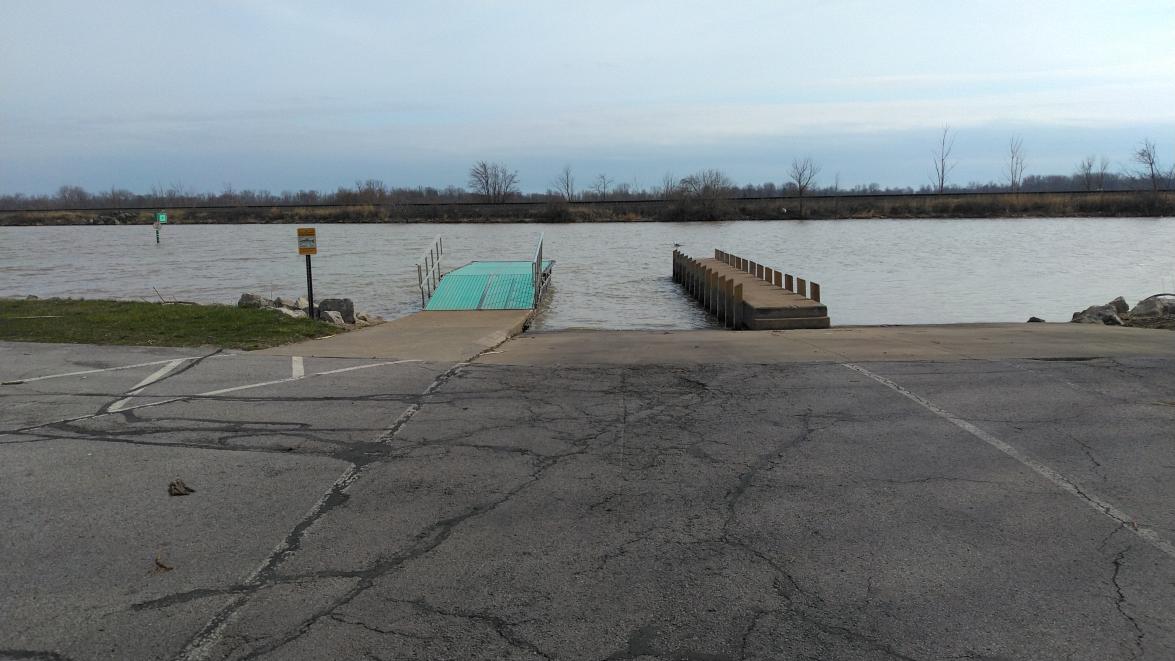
(616, 275)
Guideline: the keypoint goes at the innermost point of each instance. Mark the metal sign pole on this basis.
(309, 286)
(308, 245)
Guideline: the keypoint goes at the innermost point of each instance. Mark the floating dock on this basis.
(490, 286)
(482, 285)
(747, 295)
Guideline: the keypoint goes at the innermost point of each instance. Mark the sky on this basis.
(288, 95)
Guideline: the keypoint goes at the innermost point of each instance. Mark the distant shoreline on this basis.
(1108, 204)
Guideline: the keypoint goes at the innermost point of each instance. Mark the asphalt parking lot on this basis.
(523, 507)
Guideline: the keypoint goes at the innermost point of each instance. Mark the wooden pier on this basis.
(747, 295)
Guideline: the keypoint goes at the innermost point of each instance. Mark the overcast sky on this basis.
(288, 95)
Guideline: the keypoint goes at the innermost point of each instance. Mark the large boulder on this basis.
(302, 303)
(1120, 305)
(344, 306)
(1159, 305)
(254, 301)
(333, 317)
(294, 314)
(1098, 314)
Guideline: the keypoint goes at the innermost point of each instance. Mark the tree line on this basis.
(495, 183)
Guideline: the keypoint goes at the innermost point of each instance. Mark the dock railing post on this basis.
(538, 271)
(420, 283)
(815, 291)
(779, 279)
(787, 283)
(801, 286)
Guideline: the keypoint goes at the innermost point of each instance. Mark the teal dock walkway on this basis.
(488, 286)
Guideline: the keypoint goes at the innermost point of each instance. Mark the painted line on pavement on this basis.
(210, 393)
(95, 371)
(1093, 500)
(297, 367)
(138, 387)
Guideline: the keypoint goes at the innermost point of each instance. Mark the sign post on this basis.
(308, 245)
(160, 219)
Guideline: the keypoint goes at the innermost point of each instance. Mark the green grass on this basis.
(151, 324)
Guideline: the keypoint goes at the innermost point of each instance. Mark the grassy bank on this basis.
(955, 205)
(151, 324)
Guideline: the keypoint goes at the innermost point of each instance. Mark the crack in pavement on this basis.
(33, 655)
(1120, 603)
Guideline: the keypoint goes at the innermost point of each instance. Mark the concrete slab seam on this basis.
(200, 645)
(399, 423)
(1093, 500)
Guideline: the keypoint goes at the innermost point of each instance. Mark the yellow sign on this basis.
(307, 241)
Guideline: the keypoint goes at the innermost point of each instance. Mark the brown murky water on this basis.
(616, 275)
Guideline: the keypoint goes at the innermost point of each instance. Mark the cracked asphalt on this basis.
(517, 507)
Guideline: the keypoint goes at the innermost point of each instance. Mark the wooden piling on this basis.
(738, 305)
(801, 286)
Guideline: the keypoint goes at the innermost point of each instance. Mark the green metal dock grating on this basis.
(488, 286)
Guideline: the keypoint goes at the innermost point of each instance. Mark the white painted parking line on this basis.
(210, 393)
(297, 368)
(368, 366)
(1089, 498)
(158, 374)
(95, 371)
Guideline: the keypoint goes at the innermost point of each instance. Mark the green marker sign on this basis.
(161, 218)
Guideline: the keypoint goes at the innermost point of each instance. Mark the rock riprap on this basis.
(338, 311)
(1157, 311)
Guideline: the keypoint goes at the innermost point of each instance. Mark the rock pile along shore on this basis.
(1157, 311)
(338, 311)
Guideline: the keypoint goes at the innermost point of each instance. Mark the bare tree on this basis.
(1103, 167)
(1085, 172)
(802, 173)
(708, 185)
(1015, 168)
(942, 159)
(669, 188)
(493, 181)
(371, 190)
(601, 184)
(564, 184)
(1147, 155)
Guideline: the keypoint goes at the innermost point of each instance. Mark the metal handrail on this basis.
(538, 271)
(428, 271)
